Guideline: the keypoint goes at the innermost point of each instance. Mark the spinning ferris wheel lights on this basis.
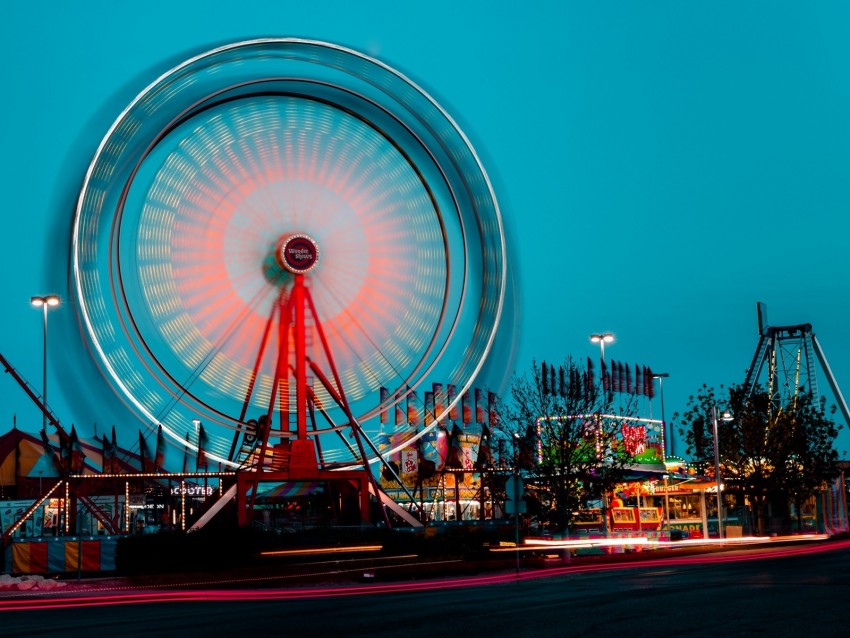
(199, 179)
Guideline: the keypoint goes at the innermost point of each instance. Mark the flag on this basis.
(485, 456)
(638, 381)
(77, 455)
(412, 410)
(399, 412)
(202, 454)
(606, 380)
(589, 381)
(464, 447)
(562, 382)
(51, 451)
(390, 468)
(454, 459)
(159, 459)
(106, 455)
(385, 397)
(434, 447)
(479, 406)
(109, 454)
(186, 455)
(429, 408)
(65, 452)
(615, 378)
(526, 451)
(649, 383)
(629, 388)
(544, 377)
(466, 407)
(144, 453)
(492, 410)
(439, 400)
(575, 384)
(454, 411)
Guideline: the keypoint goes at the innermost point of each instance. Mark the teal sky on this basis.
(661, 166)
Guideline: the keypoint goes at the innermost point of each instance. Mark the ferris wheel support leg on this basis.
(281, 381)
(256, 370)
(298, 293)
(280, 370)
(340, 398)
(311, 405)
(359, 435)
(356, 430)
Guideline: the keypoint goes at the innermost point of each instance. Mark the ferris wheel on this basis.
(257, 167)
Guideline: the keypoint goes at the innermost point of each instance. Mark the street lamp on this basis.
(661, 376)
(516, 496)
(44, 302)
(726, 416)
(602, 339)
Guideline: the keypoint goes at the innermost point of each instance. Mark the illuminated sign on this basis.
(192, 490)
(297, 253)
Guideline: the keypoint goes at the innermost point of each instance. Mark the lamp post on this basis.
(602, 339)
(517, 497)
(44, 302)
(726, 416)
(661, 376)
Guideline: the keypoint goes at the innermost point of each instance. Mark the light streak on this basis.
(65, 599)
(323, 550)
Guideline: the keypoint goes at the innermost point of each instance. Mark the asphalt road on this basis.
(794, 595)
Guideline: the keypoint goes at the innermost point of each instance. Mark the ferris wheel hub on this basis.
(296, 252)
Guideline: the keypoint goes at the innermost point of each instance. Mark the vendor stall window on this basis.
(685, 506)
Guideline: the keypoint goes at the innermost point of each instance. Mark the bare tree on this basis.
(561, 426)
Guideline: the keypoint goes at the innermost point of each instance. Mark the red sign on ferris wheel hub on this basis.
(298, 254)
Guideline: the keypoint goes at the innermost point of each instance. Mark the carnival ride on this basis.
(786, 359)
(269, 233)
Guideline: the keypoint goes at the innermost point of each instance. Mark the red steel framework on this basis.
(298, 457)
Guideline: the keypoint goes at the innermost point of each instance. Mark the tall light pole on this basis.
(661, 376)
(44, 302)
(602, 339)
(727, 416)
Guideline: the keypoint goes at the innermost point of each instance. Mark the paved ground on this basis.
(357, 570)
(775, 591)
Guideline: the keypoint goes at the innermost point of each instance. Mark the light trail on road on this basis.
(67, 599)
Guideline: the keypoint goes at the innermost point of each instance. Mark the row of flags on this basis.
(567, 383)
(156, 462)
(570, 382)
(70, 456)
(460, 442)
(410, 410)
(620, 379)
